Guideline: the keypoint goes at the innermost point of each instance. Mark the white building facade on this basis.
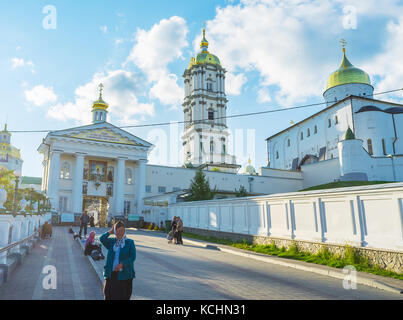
(98, 168)
(317, 147)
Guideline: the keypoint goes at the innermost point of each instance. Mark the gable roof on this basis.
(331, 106)
(102, 132)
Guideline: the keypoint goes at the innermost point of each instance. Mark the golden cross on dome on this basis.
(204, 29)
(343, 44)
(101, 87)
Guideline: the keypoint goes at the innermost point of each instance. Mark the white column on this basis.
(140, 185)
(120, 186)
(78, 184)
(54, 175)
(219, 83)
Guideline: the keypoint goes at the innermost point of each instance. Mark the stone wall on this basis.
(385, 259)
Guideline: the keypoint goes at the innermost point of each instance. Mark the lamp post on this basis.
(17, 174)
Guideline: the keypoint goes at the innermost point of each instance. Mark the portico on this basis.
(98, 161)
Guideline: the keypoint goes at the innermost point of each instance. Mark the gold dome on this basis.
(347, 73)
(204, 56)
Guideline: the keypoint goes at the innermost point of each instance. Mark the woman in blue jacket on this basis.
(118, 270)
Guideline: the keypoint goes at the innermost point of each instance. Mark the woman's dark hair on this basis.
(119, 224)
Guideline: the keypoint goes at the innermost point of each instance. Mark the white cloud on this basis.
(17, 62)
(104, 29)
(40, 95)
(154, 50)
(284, 41)
(234, 83)
(121, 91)
(167, 90)
(387, 64)
(263, 95)
(119, 41)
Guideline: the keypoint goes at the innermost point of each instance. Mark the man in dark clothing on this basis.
(84, 219)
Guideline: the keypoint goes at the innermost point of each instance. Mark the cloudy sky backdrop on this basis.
(277, 54)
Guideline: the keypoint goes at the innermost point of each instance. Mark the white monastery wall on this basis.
(369, 216)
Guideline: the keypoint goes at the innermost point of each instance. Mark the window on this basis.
(288, 142)
(308, 133)
(223, 149)
(315, 129)
(369, 143)
(329, 123)
(175, 189)
(162, 189)
(128, 176)
(383, 147)
(62, 204)
(65, 171)
(148, 188)
(276, 154)
(211, 115)
(302, 136)
(209, 86)
(336, 120)
(211, 146)
(126, 207)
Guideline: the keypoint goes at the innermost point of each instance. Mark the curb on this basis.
(329, 271)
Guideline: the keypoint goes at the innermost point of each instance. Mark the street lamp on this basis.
(17, 174)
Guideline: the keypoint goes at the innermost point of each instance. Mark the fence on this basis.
(367, 216)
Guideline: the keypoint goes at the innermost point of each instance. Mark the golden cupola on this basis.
(99, 108)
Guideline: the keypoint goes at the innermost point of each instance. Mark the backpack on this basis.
(96, 255)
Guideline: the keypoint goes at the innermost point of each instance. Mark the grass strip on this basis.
(324, 257)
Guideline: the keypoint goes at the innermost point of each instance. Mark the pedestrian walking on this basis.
(92, 224)
(179, 227)
(174, 229)
(118, 271)
(84, 219)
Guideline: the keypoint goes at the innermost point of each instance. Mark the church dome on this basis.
(204, 56)
(347, 73)
(249, 169)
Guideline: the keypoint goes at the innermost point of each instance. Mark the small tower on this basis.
(99, 108)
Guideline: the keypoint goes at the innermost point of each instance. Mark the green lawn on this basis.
(351, 256)
(344, 184)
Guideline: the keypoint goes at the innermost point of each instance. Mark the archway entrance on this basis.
(98, 208)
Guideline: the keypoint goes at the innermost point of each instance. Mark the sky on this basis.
(277, 54)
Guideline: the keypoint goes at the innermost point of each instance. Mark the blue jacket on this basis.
(127, 256)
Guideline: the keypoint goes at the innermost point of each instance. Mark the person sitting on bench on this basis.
(46, 230)
(90, 246)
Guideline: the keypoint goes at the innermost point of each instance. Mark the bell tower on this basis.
(205, 135)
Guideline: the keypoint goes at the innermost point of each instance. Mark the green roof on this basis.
(31, 180)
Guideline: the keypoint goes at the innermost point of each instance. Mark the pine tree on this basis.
(200, 188)
(241, 192)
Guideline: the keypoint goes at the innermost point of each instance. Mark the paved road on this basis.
(168, 271)
(173, 272)
(75, 278)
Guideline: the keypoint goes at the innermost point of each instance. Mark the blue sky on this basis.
(277, 54)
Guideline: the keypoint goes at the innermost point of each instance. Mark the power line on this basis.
(200, 121)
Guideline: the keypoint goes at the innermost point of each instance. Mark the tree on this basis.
(200, 188)
(241, 192)
(7, 180)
